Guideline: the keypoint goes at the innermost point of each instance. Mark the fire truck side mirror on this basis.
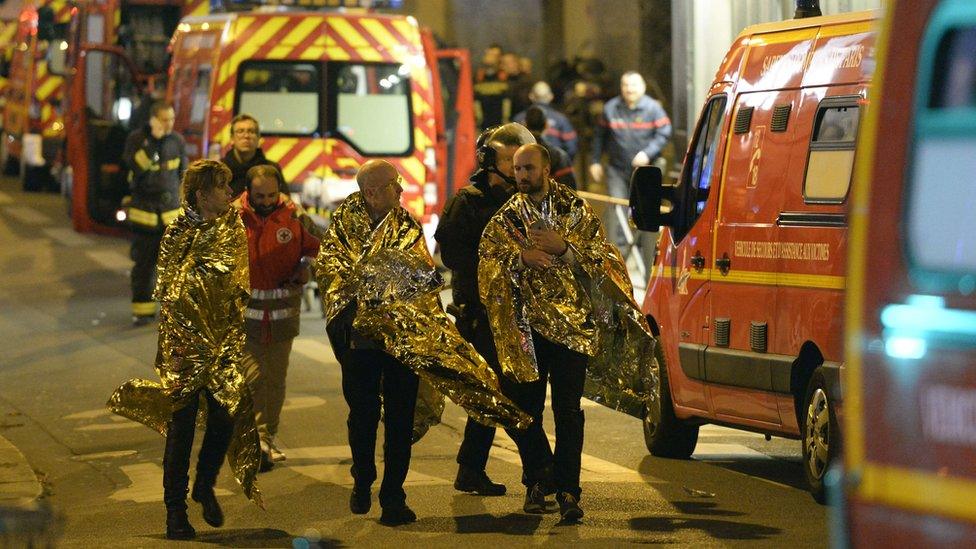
(650, 201)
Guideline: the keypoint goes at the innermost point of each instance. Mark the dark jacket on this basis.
(238, 183)
(624, 132)
(459, 232)
(560, 131)
(155, 168)
(560, 164)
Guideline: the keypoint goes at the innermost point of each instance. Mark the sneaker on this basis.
(536, 503)
(569, 508)
(276, 454)
(398, 514)
(471, 480)
(142, 320)
(359, 501)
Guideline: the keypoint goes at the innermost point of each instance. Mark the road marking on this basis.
(301, 402)
(5, 198)
(27, 215)
(104, 455)
(109, 259)
(314, 349)
(67, 237)
(109, 426)
(334, 467)
(89, 414)
(717, 451)
(146, 484)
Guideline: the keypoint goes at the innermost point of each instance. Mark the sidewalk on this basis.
(18, 483)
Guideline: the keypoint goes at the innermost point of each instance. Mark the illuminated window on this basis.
(831, 159)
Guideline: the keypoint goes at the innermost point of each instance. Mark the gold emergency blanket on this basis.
(585, 304)
(388, 272)
(202, 286)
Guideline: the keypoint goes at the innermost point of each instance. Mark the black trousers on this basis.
(533, 446)
(179, 442)
(144, 254)
(365, 373)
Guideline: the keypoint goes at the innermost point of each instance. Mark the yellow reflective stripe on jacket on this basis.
(142, 217)
(173, 164)
(143, 308)
(171, 215)
(142, 159)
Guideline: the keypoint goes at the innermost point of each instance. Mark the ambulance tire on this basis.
(664, 434)
(820, 434)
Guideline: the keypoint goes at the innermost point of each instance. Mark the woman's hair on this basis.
(204, 176)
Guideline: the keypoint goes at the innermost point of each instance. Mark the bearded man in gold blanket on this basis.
(380, 294)
(561, 307)
(203, 289)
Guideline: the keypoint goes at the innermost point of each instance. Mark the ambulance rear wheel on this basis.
(664, 434)
(821, 435)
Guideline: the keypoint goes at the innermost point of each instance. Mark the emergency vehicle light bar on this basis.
(247, 5)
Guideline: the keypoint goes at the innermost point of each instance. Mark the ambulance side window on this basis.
(692, 194)
(830, 163)
(369, 106)
(941, 185)
(200, 98)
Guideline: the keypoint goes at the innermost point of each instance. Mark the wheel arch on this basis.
(809, 359)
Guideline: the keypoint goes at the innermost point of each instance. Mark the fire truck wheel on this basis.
(821, 435)
(664, 434)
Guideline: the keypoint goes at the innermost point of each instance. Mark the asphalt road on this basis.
(68, 343)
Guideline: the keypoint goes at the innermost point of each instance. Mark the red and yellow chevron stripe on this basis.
(339, 37)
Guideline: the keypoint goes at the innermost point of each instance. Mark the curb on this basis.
(18, 483)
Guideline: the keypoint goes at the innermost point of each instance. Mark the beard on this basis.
(264, 211)
(529, 186)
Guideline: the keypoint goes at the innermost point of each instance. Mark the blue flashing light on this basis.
(911, 348)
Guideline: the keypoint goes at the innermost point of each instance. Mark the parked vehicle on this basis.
(747, 290)
(910, 378)
(330, 90)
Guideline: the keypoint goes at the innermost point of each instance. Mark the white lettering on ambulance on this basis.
(801, 251)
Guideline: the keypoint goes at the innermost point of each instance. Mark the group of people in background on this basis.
(232, 263)
(629, 130)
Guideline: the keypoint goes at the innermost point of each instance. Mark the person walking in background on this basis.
(280, 250)
(156, 158)
(632, 132)
(559, 130)
(491, 102)
(244, 153)
(519, 85)
(562, 165)
(203, 282)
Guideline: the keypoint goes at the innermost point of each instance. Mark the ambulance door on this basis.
(745, 262)
(457, 101)
(105, 94)
(683, 290)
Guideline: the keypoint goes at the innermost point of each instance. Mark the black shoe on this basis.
(178, 525)
(471, 480)
(211, 509)
(142, 320)
(569, 508)
(535, 501)
(395, 515)
(359, 501)
(266, 464)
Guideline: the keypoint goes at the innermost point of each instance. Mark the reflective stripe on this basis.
(171, 215)
(277, 293)
(279, 314)
(142, 159)
(143, 308)
(142, 217)
(173, 164)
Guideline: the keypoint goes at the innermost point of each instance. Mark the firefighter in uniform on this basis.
(156, 158)
(633, 131)
(280, 250)
(458, 234)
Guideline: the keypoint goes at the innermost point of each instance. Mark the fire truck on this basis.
(909, 476)
(49, 38)
(747, 292)
(330, 89)
(9, 10)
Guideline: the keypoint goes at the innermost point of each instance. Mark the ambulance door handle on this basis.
(724, 264)
(698, 261)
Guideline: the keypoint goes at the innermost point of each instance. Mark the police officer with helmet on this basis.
(458, 235)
